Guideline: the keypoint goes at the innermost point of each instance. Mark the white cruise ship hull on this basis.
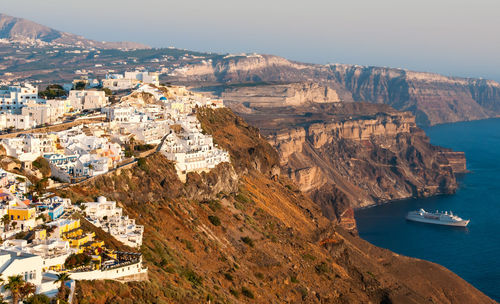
(463, 223)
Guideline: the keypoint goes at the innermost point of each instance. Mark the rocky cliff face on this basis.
(371, 160)
(355, 154)
(274, 95)
(265, 242)
(432, 98)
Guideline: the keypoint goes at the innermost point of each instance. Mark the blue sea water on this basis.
(473, 252)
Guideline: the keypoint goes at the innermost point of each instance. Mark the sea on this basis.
(473, 253)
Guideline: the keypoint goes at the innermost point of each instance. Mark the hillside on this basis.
(248, 235)
(25, 31)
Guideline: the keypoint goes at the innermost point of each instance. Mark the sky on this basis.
(451, 37)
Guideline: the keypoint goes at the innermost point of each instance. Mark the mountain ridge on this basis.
(431, 97)
(23, 30)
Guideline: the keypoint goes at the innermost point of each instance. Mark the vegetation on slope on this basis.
(270, 243)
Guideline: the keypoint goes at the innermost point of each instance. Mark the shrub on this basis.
(142, 148)
(38, 299)
(234, 292)
(141, 162)
(214, 205)
(322, 268)
(308, 257)
(192, 277)
(242, 198)
(228, 276)
(247, 241)
(247, 292)
(42, 165)
(77, 260)
(214, 220)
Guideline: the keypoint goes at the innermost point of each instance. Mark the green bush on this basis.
(38, 299)
(247, 292)
(214, 220)
(323, 268)
(77, 260)
(141, 162)
(308, 257)
(192, 277)
(228, 276)
(234, 292)
(247, 241)
(142, 148)
(242, 198)
(52, 91)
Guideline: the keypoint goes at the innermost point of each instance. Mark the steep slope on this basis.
(432, 98)
(252, 237)
(356, 154)
(23, 30)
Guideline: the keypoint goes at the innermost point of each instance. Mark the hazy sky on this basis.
(453, 37)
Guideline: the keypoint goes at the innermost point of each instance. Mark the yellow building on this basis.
(41, 235)
(21, 212)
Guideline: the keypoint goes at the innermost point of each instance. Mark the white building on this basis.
(144, 77)
(192, 150)
(87, 100)
(110, 218)
(16, 97)
(16, 121)
(116, 82)
(45, 113)
(149, 132)
(53, 252)
(130, 80)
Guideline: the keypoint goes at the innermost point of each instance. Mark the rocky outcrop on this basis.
(371, 160)
(274, 95)
(352, 155)
(432, 98)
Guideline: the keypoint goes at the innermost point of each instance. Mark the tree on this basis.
(80, 85)
(62, 278)
(52, 91)
(26, 290)
(14, 284)
(5, 222)
(37, 299)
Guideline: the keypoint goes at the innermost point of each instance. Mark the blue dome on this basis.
(163, 98)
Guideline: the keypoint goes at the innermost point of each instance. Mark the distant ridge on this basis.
(25, 31)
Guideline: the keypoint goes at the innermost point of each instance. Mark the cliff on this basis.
(356, 155)
(261, 242)
(274, 95)
(432, 98)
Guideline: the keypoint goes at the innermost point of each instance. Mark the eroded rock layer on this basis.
(432, 98)
(355, 155)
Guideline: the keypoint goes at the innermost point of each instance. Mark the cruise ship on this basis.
(438, 218)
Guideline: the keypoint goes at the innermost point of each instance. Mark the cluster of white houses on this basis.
(106, 215)
(39, 238)
(159, 117)
(21, 108)
(72, 154)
